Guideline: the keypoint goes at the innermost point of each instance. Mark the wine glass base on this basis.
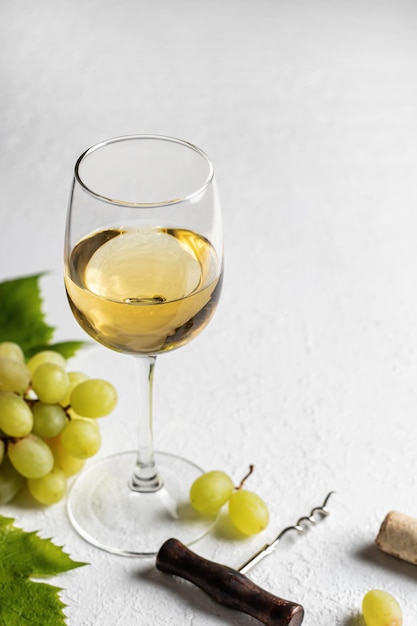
(109, 515)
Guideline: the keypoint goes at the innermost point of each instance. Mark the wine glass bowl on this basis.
(143, 275)
(143, 314)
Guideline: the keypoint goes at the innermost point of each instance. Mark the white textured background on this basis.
(309, 369)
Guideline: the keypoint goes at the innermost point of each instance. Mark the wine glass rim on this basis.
(132, 137)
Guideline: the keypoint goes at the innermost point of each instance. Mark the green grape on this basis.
(210, 491)
(248, 512)
(48, 419)
(81, 439)
(46, 356)
(50, 383)
(49, 489)
(74, 379)
(11, 482)
(16, 419)
(31, 456)
(380, 608)
(93, 398)
(70, 465)
(14, 375)
(12, 350)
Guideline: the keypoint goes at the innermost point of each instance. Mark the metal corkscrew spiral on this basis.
(300, 527)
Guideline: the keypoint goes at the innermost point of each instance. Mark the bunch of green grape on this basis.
(47, 422)
(246, 509)
(380, 608)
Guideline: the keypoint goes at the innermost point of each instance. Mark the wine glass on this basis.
(143, 274)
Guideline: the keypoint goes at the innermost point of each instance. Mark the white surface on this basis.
(309, 369)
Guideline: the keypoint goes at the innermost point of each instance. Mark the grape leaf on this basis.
(25, 555)
(22, 319)
(66, 348)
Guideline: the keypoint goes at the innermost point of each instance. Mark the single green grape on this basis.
(380, 608)
(50, 383)
(210, 491)
(248, 512)
(14, 375)
(46, 356)
(49, 489)
(16, 419)
(93, 398)
(70, 465)
(11, 482)
(81, 439)
(48, 419)
(12, 350)
(75, 378)
(31, 456)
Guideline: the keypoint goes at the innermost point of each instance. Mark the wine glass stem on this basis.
(145, 477)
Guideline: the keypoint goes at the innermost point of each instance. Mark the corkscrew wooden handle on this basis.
(228, 586)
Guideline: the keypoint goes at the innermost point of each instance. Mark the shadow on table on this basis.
(355, 620)
(372, 554)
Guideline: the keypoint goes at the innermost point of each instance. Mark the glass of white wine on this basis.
(143, 275)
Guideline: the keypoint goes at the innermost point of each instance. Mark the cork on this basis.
(398, 536)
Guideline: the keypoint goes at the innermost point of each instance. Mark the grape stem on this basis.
(6, 440)
(242, 482)
(67, 410)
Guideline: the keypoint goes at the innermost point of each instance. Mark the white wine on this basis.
(143, 290)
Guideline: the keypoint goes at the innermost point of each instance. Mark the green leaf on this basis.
(25, 555)
(22, 319)
(66, 348)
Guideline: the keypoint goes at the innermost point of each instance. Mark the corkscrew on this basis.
(300, 527)
(231, 587)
